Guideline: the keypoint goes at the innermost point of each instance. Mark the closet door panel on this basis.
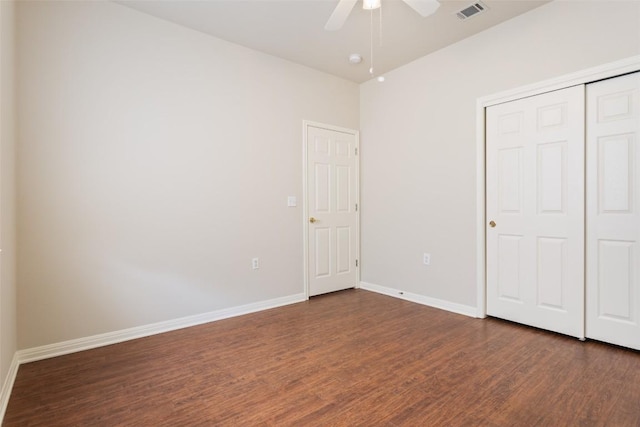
(613, 211)
(535, 209)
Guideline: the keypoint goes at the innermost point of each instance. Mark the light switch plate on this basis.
(291, 201)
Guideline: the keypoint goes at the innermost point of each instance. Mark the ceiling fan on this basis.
(342, 11)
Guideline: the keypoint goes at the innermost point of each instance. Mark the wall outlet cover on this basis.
(426, 259)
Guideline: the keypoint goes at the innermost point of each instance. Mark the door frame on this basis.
(305, 197)
(590, 75)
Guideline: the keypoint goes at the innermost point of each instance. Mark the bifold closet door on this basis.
(535, 211)
(613, 211)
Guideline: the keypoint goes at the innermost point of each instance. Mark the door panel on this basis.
(535, 196)
(344, 256)
(332, 196)
(510, 183)
(509, 283)
(322, 249)
(615, 280)
(322, 190)
(615, 183)
(613, 211)
(552, 178)
(552, 272)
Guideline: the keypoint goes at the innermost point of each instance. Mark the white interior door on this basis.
(535, 210)
(332, 180)
(613, 210)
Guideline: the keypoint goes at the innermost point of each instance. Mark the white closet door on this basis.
(535, 198)
(613, 211)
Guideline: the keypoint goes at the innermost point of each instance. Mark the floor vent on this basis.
(472, 10)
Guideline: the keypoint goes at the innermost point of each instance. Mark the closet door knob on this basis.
(492, 224)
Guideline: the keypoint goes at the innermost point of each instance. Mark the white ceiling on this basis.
(294, 29)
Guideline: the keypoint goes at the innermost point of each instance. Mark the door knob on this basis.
(492, 224)
(312, 220)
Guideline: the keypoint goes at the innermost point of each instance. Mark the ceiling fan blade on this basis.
(340, 15)
(424, 7)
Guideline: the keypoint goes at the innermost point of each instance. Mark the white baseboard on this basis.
(5, 393)
(421, 299)
(80, 344)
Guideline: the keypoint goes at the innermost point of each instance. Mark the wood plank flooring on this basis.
(351, 358)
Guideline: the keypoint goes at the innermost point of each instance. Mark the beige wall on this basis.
(418, 137)
(154, 162)
(7, 191)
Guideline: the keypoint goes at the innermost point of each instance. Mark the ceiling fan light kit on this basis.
(344, 7)
(371, 4)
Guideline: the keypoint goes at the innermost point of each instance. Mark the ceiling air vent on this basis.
(472, 10)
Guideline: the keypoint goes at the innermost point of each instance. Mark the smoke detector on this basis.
(471, 10)
(355, 58)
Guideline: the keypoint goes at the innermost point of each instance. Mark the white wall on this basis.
(8, 318)
(418, 137)
(154, 162)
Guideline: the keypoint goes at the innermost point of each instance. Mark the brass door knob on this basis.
(312, 220)
(492, 224)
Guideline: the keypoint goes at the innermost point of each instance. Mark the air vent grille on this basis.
(472, 10)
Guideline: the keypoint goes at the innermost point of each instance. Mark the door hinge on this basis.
(356, 207)
(356, 151)
(356, 263)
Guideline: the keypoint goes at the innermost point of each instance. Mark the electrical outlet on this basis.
(426, 258)
(255, 263)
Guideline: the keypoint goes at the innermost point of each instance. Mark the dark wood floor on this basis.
(344, 359)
